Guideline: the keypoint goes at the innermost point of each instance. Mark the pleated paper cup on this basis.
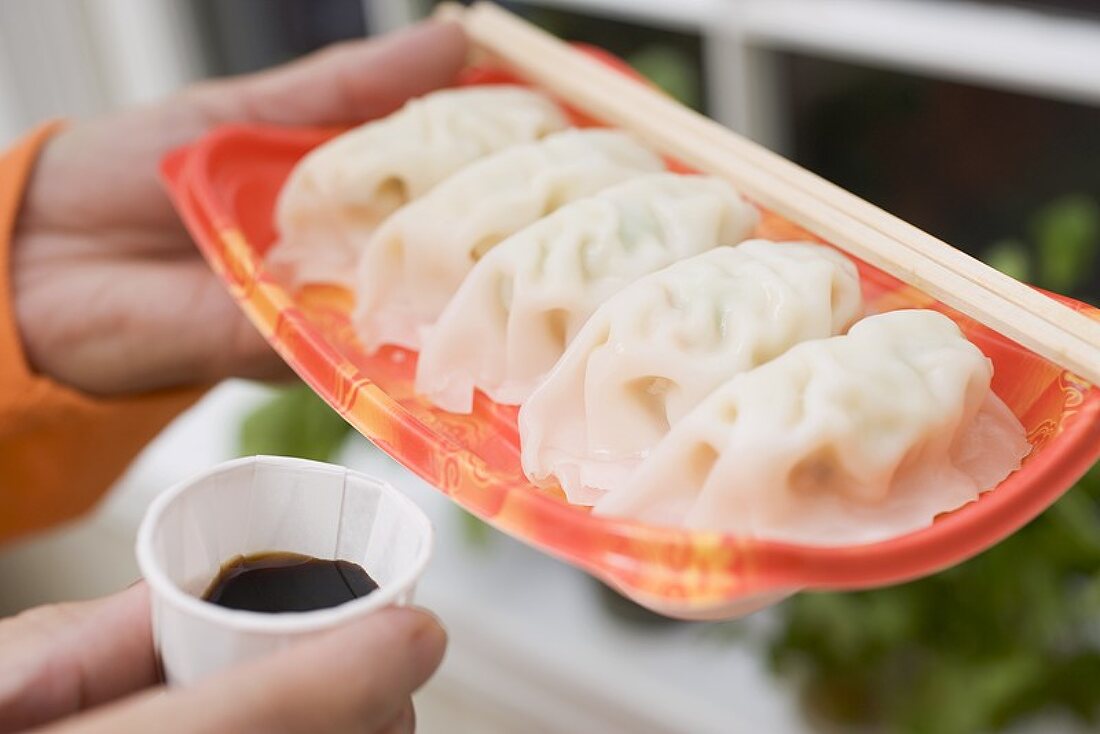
(262, 504)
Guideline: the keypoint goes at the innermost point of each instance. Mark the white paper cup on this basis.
(259, 504)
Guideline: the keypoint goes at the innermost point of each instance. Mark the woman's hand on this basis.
(90, 667)
(111, 295)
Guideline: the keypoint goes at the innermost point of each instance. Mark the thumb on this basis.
(357, 678)
(346, 82)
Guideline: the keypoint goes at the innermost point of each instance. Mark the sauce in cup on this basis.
(287, 582)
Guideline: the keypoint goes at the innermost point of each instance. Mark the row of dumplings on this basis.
(667, 369)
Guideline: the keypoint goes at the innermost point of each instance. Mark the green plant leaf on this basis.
(1008, 634)
(670, 70)
(295, 422)
(1067, 238)
(1011, 258)
(475, 531)
(970, 695)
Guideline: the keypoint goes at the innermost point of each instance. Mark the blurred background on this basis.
(977, 121)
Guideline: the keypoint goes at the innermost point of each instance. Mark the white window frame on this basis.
(74, 58)
(1042, 53)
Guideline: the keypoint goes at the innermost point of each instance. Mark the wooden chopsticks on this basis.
(1014, 309)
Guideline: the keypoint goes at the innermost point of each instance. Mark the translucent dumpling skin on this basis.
(524, 302)
(658, 347)
(338, 194)
(852, 439)
(419, 257)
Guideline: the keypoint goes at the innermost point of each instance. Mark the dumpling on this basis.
(417, 260)
(653, 351)
(339, 193)
(522, 303)
(852, 439)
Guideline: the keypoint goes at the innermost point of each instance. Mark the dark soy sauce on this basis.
(287, 582)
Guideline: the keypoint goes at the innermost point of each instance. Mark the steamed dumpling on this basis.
(852, 439)
(417, 260)
(339, 193)
(523, 302)
(653, 351)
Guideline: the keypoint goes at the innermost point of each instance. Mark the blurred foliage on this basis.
(1067, 239)
(476, 532)
(672, 60)
(671, 70)
(1009, 634)
(294, 422)
(1010, 257)
(1065, 252)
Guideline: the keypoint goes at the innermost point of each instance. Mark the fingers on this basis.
(348, 82)
(174, 324)
(223, 342)
(355, 679)
(58, 659)
(218, 340)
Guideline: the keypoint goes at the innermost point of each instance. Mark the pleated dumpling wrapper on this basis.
(340, 192)
(525, 301)
(847, 440)
(658, 347)
(417, 260)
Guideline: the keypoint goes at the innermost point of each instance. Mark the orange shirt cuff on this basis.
(59, 449)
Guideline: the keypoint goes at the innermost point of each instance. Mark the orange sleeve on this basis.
(59, 449)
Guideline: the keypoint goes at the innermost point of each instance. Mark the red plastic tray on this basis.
(225, 187)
